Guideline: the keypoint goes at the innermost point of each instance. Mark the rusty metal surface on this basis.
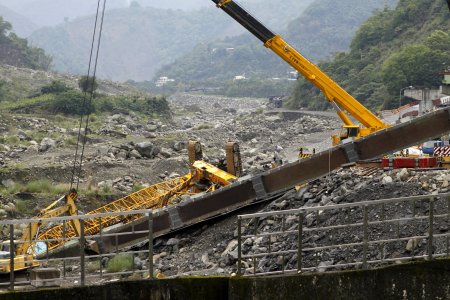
(421, 129)
(250, 190)
(194, 151)
(234, 161)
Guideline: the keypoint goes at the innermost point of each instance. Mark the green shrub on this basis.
(137, 187)
(39, 186)
(203, 126)
(25, 206)
(70, 141)
(93, 266)
(12, 140)
(120, 263)
(87, 84)
(151, 106)
(71, 103)
(54, 88)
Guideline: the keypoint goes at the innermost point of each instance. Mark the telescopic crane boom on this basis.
(342, 101)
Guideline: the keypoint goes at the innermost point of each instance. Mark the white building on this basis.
(163, 81)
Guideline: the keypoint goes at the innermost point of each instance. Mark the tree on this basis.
(5, 27)
(72, 103)
(87, 84)
(55, 87)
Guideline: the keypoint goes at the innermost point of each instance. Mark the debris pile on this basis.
(212, 249)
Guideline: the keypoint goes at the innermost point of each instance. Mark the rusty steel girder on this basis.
(249, 190)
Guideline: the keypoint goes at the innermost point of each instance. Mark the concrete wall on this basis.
(420, 280)
(446, 89)
(416, 281)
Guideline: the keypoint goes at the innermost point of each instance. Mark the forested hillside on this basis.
(15, 51)
(138, 40)
(323, 28)
(328, 26)
(408, 45)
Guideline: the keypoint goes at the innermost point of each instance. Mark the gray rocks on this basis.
(403, 175)
(23, 136)
(146, 149)
(47, 144)
(134, 154)
(173, 242)
(411, 245)
(178, 146)
(7, 182)
(387, 180)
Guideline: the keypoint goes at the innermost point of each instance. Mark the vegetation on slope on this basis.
(317, 33)
(58, 98)
(15, 51)
(393, 49)
(138, 40)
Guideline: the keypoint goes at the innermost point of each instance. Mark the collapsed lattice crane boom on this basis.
(152, 197)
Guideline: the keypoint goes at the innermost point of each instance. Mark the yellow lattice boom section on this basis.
(152, 197)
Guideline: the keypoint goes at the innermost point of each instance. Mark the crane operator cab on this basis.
(347, 131)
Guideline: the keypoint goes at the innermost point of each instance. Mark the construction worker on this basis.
(277, 160)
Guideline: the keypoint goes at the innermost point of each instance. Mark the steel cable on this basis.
(86, 101)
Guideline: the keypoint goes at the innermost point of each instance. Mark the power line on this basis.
(88, 101)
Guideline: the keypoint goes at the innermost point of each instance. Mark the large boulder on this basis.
(46, 144)
(146, 149)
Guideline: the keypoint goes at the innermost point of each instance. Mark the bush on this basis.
(120, 263)
(25, 206)
(203, 126)
(39, 186)
(87, 84)
(55, 87)
(150, 106)
(71, 103)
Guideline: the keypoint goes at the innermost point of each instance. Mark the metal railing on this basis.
(73, 268)
(344, 236)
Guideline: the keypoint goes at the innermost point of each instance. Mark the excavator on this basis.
(345, 105)
(26, 249)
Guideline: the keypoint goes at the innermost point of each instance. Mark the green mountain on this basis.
(327, 26)
(408, 45)
(15, 51)
(324, 27)
(138, 40)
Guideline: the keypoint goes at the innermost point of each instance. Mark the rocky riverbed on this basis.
(126, 151)
(212, 249)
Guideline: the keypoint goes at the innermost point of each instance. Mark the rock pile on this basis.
(136, 151)
(213, 249)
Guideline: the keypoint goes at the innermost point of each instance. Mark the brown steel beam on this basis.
(248, 190)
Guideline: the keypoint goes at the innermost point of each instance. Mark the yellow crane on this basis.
(345, 105)
(26, 249)
(203, 177)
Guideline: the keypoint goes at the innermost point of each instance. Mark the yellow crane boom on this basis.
(342, 101)
(155, 196)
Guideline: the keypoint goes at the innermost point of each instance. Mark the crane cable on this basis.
(87, 102)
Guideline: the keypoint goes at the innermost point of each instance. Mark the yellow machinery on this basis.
(152, 197)
(26, 249)
(203, 177)
(345, 105)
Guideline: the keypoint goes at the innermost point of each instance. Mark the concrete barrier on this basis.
(418, 280)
